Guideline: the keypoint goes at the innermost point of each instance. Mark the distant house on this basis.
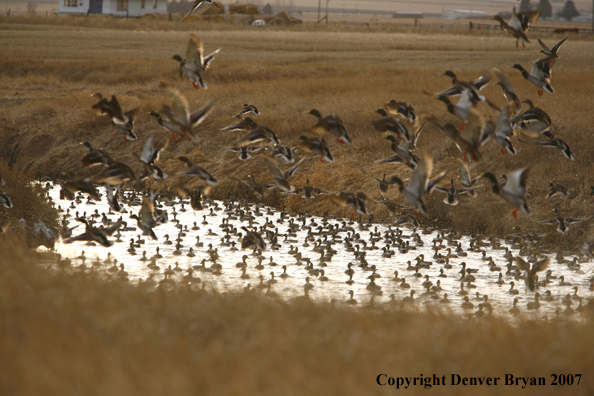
(132, 8)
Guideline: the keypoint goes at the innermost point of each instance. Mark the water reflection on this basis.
(320, 250)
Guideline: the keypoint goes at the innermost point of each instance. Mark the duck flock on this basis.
(374, 259)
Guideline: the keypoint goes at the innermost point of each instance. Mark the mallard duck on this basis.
(530, 273)
(247, 109)
(96, 157)
(258, 188)
(253, 240)
(308, 191)
(508, 90)
(465, 177)
(146, 218)
(420, 185)
(532, 119)
(318, 146)
(115, 174)
(540, 75)
(281, 179)
(552, 52)
(195, 196)
(403, 154)
(519, 24)
(284, 154)
(562, 223)
(513, 190)
(196, 4)
(84, 185)
(383, 183)
(256, 133)
(474, 135)
(504, 129)
(150, 154)
(197, 171)
(391, 206)
(556, 143)
(112, 198)
(247, 124)
(403, 109)
(469, 90)
(177, 117)
(95, 234)
(556, 188)
(5, 200)
(123, 122)
(354, 200)
(195, 63)
(389, 124)
(452, 192)
(245, 152)
(331, 123)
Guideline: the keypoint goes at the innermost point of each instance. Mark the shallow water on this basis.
(209, 220)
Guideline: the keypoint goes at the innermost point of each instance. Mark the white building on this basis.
(132, 8)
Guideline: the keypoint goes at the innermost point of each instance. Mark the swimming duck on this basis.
(195, 63)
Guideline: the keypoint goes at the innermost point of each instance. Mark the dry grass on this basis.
(32, 218)
(47, 74)
(69, 331)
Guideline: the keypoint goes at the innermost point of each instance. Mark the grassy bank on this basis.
(48, 73)
(71, 331)
(32, 219)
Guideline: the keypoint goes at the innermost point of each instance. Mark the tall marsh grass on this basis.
(66, 330)
(47, 78)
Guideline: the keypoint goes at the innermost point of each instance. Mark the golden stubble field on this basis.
(77, 332)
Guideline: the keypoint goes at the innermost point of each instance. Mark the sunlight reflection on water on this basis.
(210, 233)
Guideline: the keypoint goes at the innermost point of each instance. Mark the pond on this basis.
(196, 237)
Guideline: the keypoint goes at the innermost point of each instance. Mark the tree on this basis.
(31, 8)
(267, 9)
(524, 6)
(568, 11)
(546, 10)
